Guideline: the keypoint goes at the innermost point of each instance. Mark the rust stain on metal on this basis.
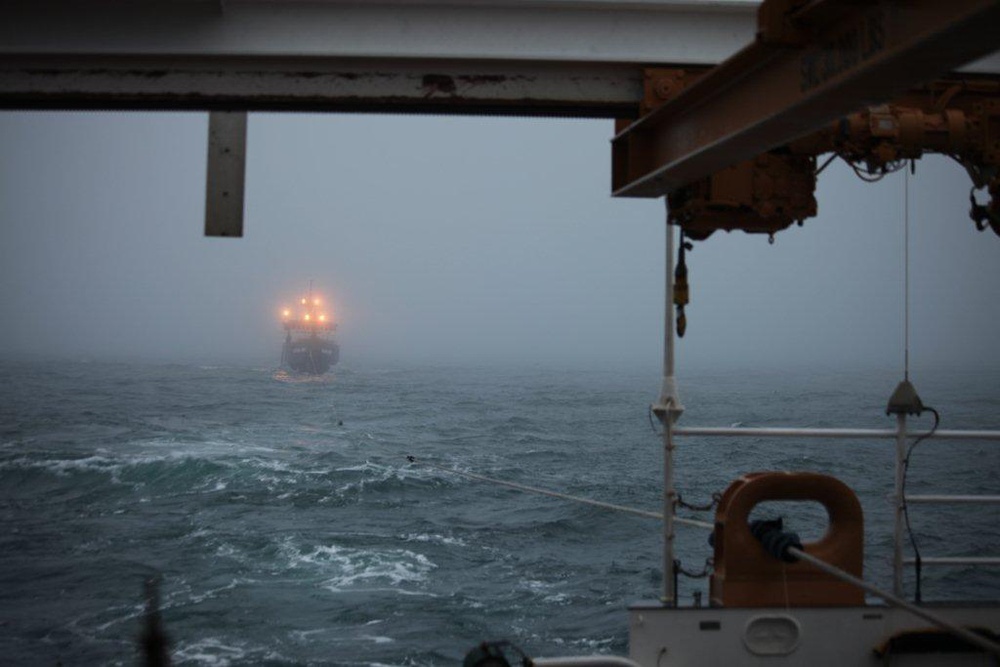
(480, 79)
(438, 83)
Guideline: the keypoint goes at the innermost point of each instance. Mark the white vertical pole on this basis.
(668, 312)
(668, 409)
(897, 544)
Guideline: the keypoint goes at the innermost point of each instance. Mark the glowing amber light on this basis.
(306, 318)
(315, 302)
(286, 313)
(322, 318)
(303, 302)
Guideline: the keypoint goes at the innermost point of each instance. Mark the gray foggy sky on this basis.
(455, 240)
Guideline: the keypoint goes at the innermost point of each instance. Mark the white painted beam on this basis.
(553, 30)
(543, 57)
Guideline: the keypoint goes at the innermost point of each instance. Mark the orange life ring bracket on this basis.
(745, 575)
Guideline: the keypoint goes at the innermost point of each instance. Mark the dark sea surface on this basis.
(288, 527)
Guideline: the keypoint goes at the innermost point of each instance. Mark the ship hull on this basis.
(809, 636)
(312, 355)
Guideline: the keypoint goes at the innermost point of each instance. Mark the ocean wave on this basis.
(178, 471)
(219, 653)
(277, 531)
(382, 478)
(347, 569)
(65, 467)
(338, 635)
(143, 464)
(436, 539)
(545, 591)
(212, 593)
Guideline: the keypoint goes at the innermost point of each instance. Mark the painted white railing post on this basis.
(898, 505)
(668, 409)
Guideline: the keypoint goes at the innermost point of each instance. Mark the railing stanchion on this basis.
(898, 505)
(668, 409)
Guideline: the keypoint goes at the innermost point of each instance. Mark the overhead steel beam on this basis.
(543, 57)
(818, 64)
(578, 58)
(311, 84)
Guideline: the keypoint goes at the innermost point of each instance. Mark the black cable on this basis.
(826, 164)
(906, 511)
(705, 571)
(716, 497)
(677, 572)
(870, 176)
(866, 176)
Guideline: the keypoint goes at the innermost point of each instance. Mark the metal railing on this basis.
(901, 435)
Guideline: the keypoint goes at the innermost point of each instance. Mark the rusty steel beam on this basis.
(820, 61)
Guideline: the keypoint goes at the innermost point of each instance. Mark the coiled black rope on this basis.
(776, 541)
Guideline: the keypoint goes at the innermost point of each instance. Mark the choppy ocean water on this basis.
(288, 527)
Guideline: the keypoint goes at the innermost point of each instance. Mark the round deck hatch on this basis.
(775, 634)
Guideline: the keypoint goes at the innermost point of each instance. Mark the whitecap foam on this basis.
(304, 635)
(349, 569)
(535, 586)
(212, 592)
(226, 551)
(114, 465)
(210, 651)
(367, 466)
(64, 467)
(595, 644)
(374, 473)
(436, 539)
(216, 653)
(400, 471)
(130, 612)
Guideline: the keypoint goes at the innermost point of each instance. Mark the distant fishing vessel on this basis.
(309, 346)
